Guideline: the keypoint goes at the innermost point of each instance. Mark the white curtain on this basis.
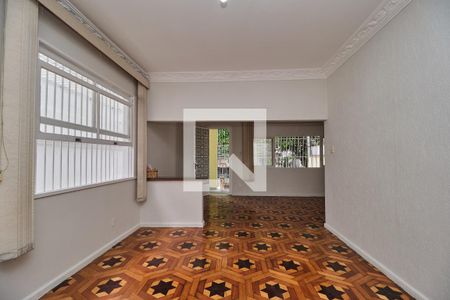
(18, 99)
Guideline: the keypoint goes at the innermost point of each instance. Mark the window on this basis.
(297, 152)
(85, 132)
(262, 152)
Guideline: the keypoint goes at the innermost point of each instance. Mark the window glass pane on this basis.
(114, 115)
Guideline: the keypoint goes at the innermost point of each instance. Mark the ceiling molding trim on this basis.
(229, 76)
(376, 21)
(384, 13)
(68, 13)
(69, 7)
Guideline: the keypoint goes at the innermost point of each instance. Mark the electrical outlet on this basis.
(113, 222)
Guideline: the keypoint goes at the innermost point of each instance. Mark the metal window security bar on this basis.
(84, 135)
(297, 152)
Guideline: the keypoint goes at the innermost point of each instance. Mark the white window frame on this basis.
(99, 87)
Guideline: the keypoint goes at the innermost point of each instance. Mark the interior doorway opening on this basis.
(219, 160)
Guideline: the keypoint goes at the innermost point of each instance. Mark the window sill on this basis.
(76, 189)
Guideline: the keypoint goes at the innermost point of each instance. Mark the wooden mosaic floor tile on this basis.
(250, 248)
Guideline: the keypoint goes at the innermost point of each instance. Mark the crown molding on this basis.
(384, 13)
(69, 7)
(73, 17)
(224, 76)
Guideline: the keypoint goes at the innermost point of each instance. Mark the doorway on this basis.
(213, 148)
(219, 164)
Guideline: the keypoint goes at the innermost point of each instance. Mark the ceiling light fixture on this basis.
(223, 3)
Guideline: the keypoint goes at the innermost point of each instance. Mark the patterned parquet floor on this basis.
(250, 248)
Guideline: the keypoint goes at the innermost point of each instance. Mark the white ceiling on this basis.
(199, 35)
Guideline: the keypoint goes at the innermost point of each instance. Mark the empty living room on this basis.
(225, 149)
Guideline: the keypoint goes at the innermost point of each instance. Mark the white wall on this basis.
(68, 229)
(388, 182)
(303, 100)
(294, 182)
(168, 205)
(285, 182)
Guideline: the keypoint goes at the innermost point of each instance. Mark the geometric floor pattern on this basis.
(250, 248)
